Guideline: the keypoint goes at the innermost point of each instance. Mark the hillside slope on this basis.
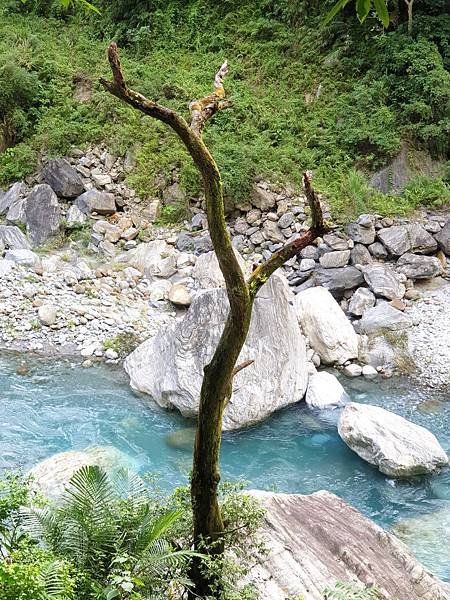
(342, 101)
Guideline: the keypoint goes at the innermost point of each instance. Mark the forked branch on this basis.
(202, 110)
(318, 227)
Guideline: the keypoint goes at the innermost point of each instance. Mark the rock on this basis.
(13, 238)
(75, 217)
(307, 264)
(10, 197)
(394, 177)
(383, 281)
(111, 354)
(353, 370)
(24, 257)
(198, 244)
(395, 239)
(52, 475)
(62, 178)
(42, 214)
(47, 314)
(179, 295)
(378, 250)
(421, 241)
(443, 238)
(6, 267)
(207, 273)
(382, 316)
(153, 259)
(102, 203)
(335, 242)
(262, 198)
(330, 334)
(181, 439)
(100, 179)
(129, 234)
(286, 220)
(361, 300)
(418, 267)
(363, 230)
(324, 390)
(16, 213)
(396, 446)
(159, 290)
(359, 255)
(310, 252)
(272, 232)
(338, 280)
(369, 372)
(332, 260)
(170, 366)
(314, 541)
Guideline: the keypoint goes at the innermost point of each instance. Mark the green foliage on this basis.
(425, 191)
(335, 101)
(123, 343)
(347, 591)
(363, 7)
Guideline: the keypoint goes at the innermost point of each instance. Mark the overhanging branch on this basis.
(202, 110)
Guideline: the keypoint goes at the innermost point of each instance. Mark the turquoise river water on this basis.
(58, 406)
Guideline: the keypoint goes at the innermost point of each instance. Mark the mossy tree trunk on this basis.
(218, 374)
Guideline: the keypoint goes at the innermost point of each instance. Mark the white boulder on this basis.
(324, 322)
(396, 446)
(324, 390)
(170, 366)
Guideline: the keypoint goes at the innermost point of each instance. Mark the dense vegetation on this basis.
(341, 100)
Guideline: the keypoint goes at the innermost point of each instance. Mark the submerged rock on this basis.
(396, 446)
(330, 333)
(181, 439)
(314, 541)
(170, 366)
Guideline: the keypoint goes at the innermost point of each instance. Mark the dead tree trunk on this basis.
(218, 374)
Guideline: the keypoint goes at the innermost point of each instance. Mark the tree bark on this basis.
(409, 4)
(218, 374)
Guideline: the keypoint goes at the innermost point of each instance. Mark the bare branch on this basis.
(202, 110)
(318, 227)
(243, 365)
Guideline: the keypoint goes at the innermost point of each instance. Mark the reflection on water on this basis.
(58, 406)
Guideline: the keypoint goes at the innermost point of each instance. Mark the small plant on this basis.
(36, 325)
(123, 343)
(348, 591)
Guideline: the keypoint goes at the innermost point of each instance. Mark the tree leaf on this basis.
(382, 11)
(334, 11)
(362, 9)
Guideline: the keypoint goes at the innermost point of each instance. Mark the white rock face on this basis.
(314, 541)
(170, 367)
(324, 322)
(396, 446)
(53, 474)
(324, 390)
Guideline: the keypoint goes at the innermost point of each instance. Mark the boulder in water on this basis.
(170, 366)
(396, 446)
(324, 390)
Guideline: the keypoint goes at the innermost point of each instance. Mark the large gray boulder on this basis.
(42, 214)
(443, 238)
(170, 366)
(314, 541)
(333, 260)
(382, 316)
(52, 475)
(25, 257)
(337, 281)
(13, 238)
(396, 446)
(419, 267)
(330, 333)
(421, 241)
(16, 212)
(395, 239)
(62, 178)
(383, 281)
(8, 198)
(94, 201)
